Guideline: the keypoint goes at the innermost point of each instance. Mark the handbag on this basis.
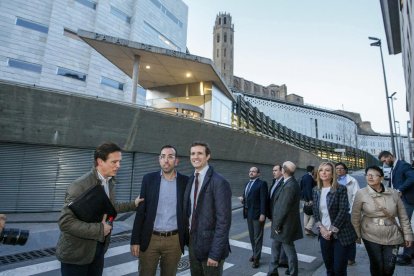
(308, 208)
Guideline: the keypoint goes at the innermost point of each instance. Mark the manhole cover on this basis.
(183, 264)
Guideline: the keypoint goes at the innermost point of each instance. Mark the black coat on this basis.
(147, 210)
(210, 232)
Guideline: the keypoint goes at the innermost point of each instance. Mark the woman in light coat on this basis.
(373, 217)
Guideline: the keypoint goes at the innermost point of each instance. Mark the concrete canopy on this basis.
(166, 67)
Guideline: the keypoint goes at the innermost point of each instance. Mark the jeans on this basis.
(382, 258)
(352, 252)
(93, 269)
(335, 256)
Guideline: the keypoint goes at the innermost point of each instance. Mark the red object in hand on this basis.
(110, 221)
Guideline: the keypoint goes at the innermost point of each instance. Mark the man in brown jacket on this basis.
(82, 245)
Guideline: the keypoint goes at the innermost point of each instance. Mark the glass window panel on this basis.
(87, 3)
(71, 74)
(32, 25)
(112, 83)
(37, 68)
(120, 14)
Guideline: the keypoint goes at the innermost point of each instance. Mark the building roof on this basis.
(167, 67)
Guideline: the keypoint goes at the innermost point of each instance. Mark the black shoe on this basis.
(285, 265)
(251, 259)
(287, 272)
(255, 264)
(403, 260)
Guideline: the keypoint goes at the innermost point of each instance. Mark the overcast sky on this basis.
(319, 49)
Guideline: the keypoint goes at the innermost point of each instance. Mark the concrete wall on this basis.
(32, 115)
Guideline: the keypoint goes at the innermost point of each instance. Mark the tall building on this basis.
(39, 45)
(223, 46)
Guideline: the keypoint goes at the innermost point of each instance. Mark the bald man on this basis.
(286, 227)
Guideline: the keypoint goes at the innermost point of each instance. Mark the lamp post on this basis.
(401, 145)
(397, 153)
(377, 43)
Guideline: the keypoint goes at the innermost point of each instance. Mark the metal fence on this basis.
(249, 118)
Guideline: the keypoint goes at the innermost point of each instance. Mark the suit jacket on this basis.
(256, 202)
(403, 180)
(147, 210)
(285, 215)
(78, 239)
(210, 232)
(338, 209)
(306, 185)
(271, 198)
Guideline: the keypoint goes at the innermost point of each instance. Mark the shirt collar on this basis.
(102, 178)
(203, 171)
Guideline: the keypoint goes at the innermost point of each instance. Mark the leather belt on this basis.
(381, 221)
(165, 234)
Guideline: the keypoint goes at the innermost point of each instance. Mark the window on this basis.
(225, 37)
(120, 14)
(218, 38)
(231, 39)
(168, 13)
(225, 18)
(71, 34)
(112, 83)
(219, 20)
(24, 65)
(87, 3)
(225, 52)
(218, 52)
(31, 25)
(71, 74)
(151, 30)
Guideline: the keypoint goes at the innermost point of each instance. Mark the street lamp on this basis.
(397, 153)
(377, 43)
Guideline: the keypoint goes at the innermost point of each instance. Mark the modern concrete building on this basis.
(39, 45)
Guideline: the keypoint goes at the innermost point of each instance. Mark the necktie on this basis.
(249, 186)
(194, 199)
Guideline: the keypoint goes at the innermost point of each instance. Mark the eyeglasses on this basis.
(167, 157)
(372, 175)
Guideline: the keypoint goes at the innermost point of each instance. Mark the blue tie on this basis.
(249, 187)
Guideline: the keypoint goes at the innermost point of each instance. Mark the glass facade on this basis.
(71, 74)
(32, 25)
(20, 64)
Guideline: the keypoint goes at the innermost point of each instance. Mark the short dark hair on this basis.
(103, 150)
(169, 147)
(375, 168)
(343, 165)
(384, 153)
(203, 144)
(257, 168)
(310, 168)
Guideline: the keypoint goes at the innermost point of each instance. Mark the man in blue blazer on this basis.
(207, 205)
(402, 179)
(254, 202)
(158, 232)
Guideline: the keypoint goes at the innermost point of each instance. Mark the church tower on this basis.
(223, 47)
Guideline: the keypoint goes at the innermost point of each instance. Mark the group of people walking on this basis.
(337, 211)
(174, 211)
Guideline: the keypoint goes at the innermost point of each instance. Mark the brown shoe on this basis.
(255, 264)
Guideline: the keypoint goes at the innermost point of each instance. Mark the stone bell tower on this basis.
(223, 47)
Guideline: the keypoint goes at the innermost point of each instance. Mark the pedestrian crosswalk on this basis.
(128, 267)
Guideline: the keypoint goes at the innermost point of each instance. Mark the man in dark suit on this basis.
(402, 179)
(254, 202)
(306, 185)
(286, 227)
(158, 232)
(277, 182)
(207, 205)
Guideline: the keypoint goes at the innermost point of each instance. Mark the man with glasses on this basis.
(352, 187)
(158, 232)
(401, 179)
